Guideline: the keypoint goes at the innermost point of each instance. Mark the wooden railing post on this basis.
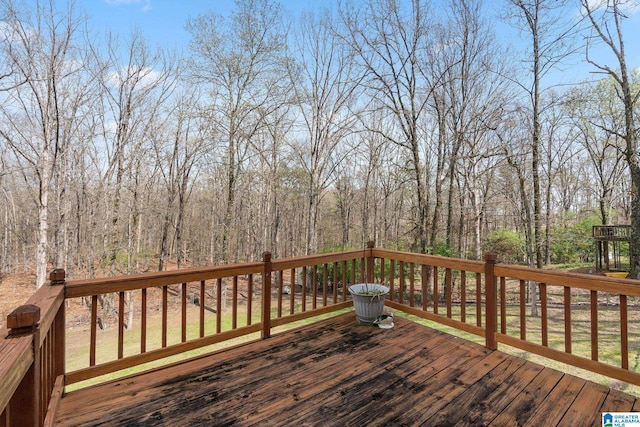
(370, 262)
(57, 278)
(24, 407)
(491, 303)
(266, 295)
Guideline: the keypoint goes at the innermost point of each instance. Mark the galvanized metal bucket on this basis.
(368, 301)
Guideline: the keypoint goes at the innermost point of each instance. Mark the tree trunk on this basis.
(43, 227)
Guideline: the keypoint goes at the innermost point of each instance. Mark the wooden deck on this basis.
(335, 372)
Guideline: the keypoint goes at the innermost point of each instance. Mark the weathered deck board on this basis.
(337, 373)
(521, 409)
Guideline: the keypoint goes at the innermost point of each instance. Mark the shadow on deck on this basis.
(335, 372)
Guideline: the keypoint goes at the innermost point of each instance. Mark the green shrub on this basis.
(509, 245)
(573, 243)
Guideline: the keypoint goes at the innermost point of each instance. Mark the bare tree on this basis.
(593, 114)
(273, 154)
(475, 94)
(136, 85)
(516, 152)
(177, 158)
(241, 62)
(545, 22)
(38, 47)
(389, 39)
(558, 136)
(606, 23)
(324, 85)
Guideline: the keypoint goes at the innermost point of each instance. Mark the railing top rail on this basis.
(612, 285)
(81, 288)
(440, 261)
(302, 261)
(16, 357)
(49, 298)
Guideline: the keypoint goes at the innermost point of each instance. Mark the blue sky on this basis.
(162, 23)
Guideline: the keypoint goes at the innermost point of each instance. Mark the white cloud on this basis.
(12, 32)
(627, 6)
(146, 4)
(144, 77)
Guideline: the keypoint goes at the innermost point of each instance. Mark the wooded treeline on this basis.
(404, 122)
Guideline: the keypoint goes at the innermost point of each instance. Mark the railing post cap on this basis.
(490, 257)
(266, 256)
(371, 244)
(23, 319)
(57, 276)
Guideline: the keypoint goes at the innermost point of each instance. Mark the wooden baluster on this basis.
(370, 267)
(544, 314)
(219, 305)
(279, 278)
(463, 296)
(266, 295)
(344, 280)
(594, 325)
(425, 286)
(412, 280)
(448, 290)
(624, 333)
(436, 297)
(392, 279)
(401, 283)
(353, 271)
(57, 278)
(143, 322)
(292, 294)
(490, 307)
(503, 305)
(234, 303)
(314, 286)
(335, 282)
(523, 312)
(567, 319)
(202, 305)
(183, 302)
(93, 333)
(164, 315)
(325, 284)
(250, 300)
(304, 289)
(478, 300)
(120, 325)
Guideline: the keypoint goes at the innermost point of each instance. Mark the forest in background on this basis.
(404, 122)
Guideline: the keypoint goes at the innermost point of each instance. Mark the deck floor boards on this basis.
(336, 373)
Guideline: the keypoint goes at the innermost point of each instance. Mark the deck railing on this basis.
(602, 330)
(153, 316)
(423, 285)
(32, 351)
(587, 321)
